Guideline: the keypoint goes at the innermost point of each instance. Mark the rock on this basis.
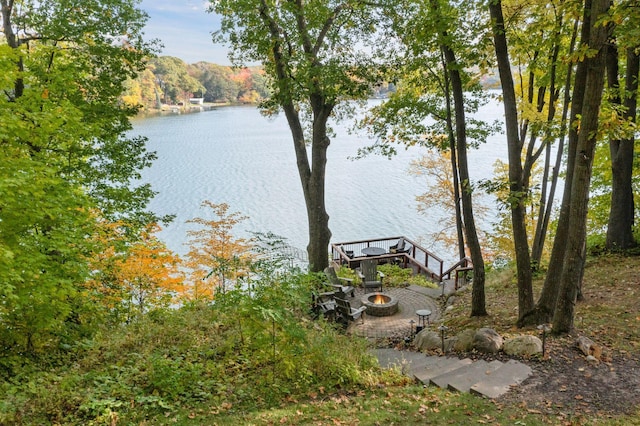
(465, 340)
(523, 346)
(592, 359)
(487, 340)
(449, 343)
(427, 340)
(584, 344)
(588, 347)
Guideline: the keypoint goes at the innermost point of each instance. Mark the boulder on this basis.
(523, 346)
(464, 341)
(487, 340)
(589, 347)
(450, 343)
(427, 340)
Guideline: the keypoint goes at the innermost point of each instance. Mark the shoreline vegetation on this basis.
(237, 362)
(169, 82)
(184, 109)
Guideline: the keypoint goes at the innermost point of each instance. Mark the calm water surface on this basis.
(234, 155)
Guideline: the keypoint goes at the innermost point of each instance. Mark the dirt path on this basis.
(567, 386)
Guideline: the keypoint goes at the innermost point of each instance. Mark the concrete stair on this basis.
(487, 379)
(439, 367)
(509, 374)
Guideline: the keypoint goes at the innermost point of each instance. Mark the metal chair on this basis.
(397, 247)
(400, 247)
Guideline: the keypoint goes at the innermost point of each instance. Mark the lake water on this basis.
(234, 155)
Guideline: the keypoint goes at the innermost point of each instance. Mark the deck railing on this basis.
(420, 259)
(462, 269)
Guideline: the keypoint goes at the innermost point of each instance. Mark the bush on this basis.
(248, 349)
(395, 276)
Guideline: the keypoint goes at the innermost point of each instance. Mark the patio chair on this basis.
(323, 304)
(349, 253)
(369, 274)
(342, 285)
(346, 313)
(400, 247)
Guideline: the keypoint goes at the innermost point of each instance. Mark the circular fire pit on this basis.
(380, 305)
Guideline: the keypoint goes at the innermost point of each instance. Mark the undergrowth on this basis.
(247, 351)
(257, 357)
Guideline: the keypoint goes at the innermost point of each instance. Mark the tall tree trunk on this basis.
(454, 167)
(546, 199)
(621, 215)
(314, 192)
(312, 177)
(573, 264)
(13, 41)
(517, 189)
(543, 312)
(478, 301)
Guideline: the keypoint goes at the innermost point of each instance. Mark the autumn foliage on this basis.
(134, 276)
(216, 258)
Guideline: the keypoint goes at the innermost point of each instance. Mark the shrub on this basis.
(395, 276)
(249, 348)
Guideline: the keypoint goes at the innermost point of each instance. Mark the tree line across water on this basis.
(167, 80)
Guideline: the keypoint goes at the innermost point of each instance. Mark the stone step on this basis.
(389, 357)
(408, 361)
(442, 380)
(501, 380)
(475, 373)
(438, 366)
(489, 380)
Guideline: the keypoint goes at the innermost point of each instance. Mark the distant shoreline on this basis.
(183, 109)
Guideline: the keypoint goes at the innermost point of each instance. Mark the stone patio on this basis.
(410, 299)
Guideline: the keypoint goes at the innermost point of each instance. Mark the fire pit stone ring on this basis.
(380, 304)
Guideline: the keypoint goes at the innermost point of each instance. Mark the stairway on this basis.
(487, 379)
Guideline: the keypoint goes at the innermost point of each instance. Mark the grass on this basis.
(610, 311)
(386, 405)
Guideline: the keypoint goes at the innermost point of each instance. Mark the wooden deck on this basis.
(421, 260)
